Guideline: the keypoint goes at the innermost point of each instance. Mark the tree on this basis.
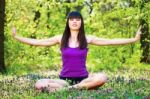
(145, 37)
(2, 18)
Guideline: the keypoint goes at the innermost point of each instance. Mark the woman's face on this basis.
(74, 24)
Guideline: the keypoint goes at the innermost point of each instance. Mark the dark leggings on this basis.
(73, 80)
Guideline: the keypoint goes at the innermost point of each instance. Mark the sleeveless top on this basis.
(74, 62)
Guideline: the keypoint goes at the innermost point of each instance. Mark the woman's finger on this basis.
(14, 31)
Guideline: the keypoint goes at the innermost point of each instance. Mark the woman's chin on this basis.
(74, 29)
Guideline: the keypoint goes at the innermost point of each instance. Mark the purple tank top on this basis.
(74, 62)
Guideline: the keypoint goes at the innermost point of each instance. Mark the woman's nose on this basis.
(74, 20)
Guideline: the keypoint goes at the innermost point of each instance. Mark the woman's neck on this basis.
(73, 41)
(74, 34)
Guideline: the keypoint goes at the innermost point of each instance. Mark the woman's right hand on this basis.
(13, 31)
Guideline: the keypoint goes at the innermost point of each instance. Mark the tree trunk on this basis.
(67, 8)
(145, 36)
(2, 19)
(145, 43)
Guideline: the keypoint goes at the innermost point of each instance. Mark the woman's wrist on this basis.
(15, 36)
(136, 39)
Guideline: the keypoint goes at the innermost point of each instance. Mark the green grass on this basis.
(122, 84)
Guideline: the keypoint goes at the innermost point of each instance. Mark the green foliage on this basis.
(118, 19)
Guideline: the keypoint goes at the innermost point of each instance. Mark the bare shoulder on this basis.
(89, 38)
(58, 37)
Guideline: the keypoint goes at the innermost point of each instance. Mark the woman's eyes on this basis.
(77, 19)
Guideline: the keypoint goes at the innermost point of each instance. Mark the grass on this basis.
(122, 84)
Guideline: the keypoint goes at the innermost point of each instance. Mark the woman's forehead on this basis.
(74, 17)
(74, 14)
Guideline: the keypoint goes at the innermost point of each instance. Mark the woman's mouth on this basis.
(74, 25)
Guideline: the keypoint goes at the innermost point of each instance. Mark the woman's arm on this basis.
(43, 42)
(101, 41)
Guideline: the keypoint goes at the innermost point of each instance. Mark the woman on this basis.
(73, 46)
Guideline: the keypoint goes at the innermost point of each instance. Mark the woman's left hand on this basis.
(138, 34)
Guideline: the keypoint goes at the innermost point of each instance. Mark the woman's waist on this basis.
(74, 73)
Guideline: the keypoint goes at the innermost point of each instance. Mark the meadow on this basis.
(121, 84)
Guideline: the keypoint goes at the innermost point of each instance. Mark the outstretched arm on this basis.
(43, 42)
(102, 41)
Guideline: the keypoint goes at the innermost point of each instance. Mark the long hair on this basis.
(81, 35)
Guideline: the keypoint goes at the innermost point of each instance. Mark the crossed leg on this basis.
(92, 82)
(51, 85)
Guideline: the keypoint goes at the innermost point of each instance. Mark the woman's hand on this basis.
(13, 31)
(138, 34)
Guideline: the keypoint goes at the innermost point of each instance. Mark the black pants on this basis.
(73, 80)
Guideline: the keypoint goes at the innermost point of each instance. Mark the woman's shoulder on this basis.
(89, 38)
(59, 37)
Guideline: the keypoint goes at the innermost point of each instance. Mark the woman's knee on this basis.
(101, 77)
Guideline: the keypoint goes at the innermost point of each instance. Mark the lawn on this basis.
(122, 84)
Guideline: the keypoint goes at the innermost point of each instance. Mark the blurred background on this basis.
(40, 19)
